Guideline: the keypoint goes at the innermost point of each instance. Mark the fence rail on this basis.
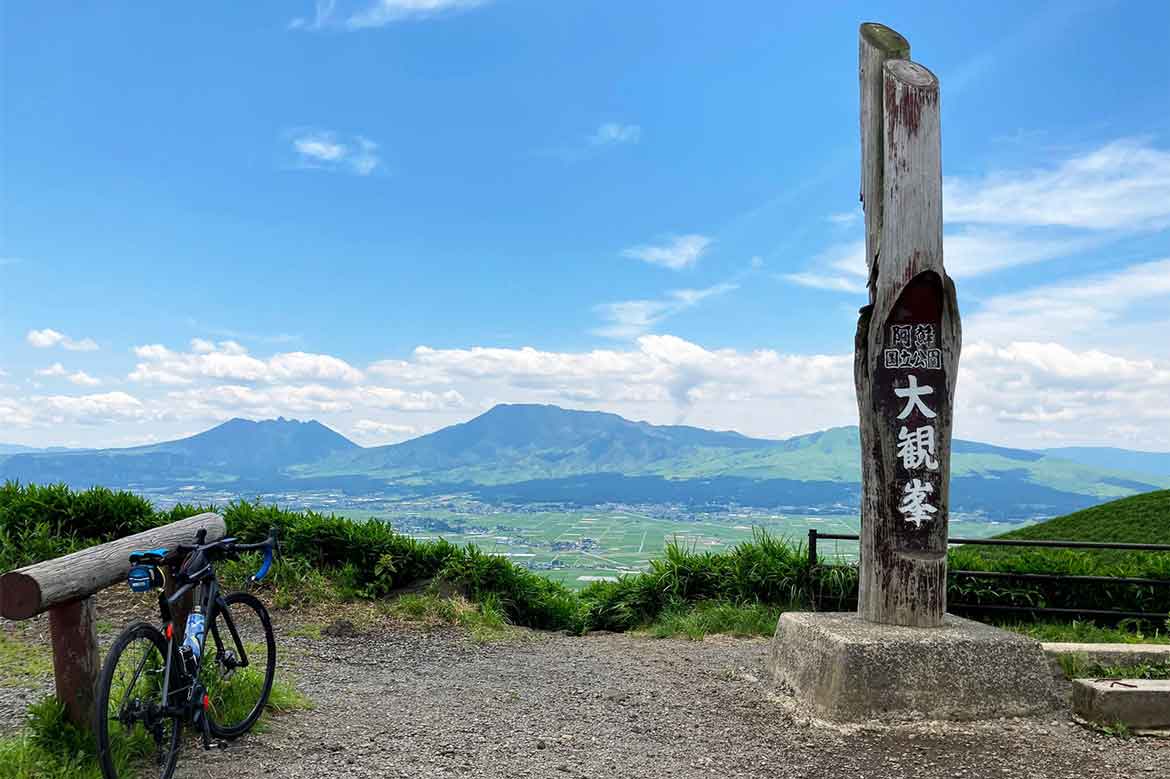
(65, 587)
(975, 608)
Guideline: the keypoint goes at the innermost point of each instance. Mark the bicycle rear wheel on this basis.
(134, 738)
(239, 663)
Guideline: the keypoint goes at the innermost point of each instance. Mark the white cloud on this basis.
(681, 252)
(630, 318)
(322, 14)
(324, 150)
(846, 218)
(48, 338)
(83, 379)
(1122, 185)
(384, 12)
(967, 253)
(1089, 307)
(835, 283)
(89, 409)
(612, 133)
(372, 432)
(1007, 219)
(230, 361)
(320, 147)
(77, 377)
(1045, 391)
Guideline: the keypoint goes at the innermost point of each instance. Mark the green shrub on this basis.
(326, 556)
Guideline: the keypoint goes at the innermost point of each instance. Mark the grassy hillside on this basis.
(1139, 519)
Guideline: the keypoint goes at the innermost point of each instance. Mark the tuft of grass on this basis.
(1116, 729)
(485, 621)
(50, 747)
(705, 618)
(1078, 666)
(23, 664)
(309, 631)
(292, 582)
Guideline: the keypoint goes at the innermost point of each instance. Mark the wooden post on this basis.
(908, 341)
(72, 629)
(65, 587)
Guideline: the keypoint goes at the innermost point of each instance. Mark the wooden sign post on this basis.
(878, 663)
(908, 340)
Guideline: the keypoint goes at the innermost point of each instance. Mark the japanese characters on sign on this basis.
(913, 346)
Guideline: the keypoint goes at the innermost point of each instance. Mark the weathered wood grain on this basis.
(29, 591)
(877, 43)
(76, 662)
(903, 564)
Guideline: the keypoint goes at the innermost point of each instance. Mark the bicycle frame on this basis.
(213, 604)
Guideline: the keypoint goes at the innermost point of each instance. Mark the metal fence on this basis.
(975, 608)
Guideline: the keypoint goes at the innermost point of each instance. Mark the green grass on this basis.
(1080, 632)
(326, 558)
(50, 747)
(716, 617)
(23, 664)
(483, 621)
(1077, 666)
(1139, 519)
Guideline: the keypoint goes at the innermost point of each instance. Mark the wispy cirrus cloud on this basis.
(680, 252)
(379, 13)
(325, 150)
(632, 318)
(1090, 307)
(1012, 218)
(612, 133)
(1124, 185)
(49, 338)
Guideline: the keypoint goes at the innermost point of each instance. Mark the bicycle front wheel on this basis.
(135, 738)
(239, 663)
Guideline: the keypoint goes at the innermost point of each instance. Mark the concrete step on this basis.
(1142, 704)
(1112, 654)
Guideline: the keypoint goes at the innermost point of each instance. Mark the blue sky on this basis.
(390, 215)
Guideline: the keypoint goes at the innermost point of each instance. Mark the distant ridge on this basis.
(526, 453)
(235, 449)
(1153, 463)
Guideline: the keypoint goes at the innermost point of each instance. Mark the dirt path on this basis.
(398, 701)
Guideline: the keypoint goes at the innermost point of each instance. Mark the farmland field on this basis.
(570, 543)
(577, 545)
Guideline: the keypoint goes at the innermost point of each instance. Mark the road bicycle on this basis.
(217, 677)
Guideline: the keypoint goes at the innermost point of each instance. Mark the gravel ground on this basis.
(399, 701)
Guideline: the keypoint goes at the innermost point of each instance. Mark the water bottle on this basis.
(193, 636)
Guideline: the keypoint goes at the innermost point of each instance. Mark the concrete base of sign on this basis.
(845, 669)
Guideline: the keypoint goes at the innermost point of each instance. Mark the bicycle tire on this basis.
(248, 614)
(167, 755)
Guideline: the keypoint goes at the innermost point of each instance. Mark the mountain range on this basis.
(536, 453)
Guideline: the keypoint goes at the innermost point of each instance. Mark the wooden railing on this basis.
(65, 587)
